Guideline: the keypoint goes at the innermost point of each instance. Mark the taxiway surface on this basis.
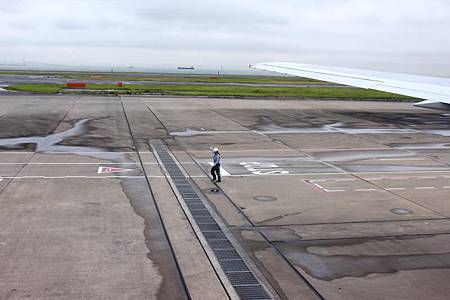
(321, 199)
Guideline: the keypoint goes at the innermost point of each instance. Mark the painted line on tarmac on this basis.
(338, 173)
(381, 178)
(223, 172)
(81, 163)
(68, 163)
(322, 188)
(77, 177)
(314, 184)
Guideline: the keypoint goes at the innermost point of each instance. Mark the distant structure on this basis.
(186, 68)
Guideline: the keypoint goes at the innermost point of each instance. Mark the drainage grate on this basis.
(241, 278)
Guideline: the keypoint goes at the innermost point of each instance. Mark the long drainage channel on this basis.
(244, 282)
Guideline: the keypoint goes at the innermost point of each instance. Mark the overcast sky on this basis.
(395, 35)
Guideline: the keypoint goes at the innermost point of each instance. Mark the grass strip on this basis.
(214, 90)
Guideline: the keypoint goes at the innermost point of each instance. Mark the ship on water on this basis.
(186, 68)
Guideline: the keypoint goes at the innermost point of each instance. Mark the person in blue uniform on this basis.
(215, 169)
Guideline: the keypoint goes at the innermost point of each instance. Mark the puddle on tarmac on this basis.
(326, 266)
(401, 211)
(192, 132)
(49, 144)
(418, 146)
(339, 127)
(265, 198)
(43, 143)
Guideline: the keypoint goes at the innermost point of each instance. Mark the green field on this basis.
(214, 91)
(169, 77)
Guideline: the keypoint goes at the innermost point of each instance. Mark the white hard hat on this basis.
(216, 149)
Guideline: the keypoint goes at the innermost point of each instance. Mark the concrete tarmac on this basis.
(322, 199)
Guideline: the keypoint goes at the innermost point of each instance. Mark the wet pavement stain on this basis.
(137, 192)
(265, 198)
(49, 143)
(337, 127)
(401, 211)
(328, 266)
(135, 189)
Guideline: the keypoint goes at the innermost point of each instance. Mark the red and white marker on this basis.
(106, 170)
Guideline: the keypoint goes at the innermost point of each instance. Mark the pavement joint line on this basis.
(348, 222)
(179, 272)
(372, 236)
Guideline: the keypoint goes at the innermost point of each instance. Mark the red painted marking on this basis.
(76, 84)
(106, 170)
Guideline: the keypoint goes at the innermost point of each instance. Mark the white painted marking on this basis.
(331, 191)
(69, 163)
(346, 179)
(395, 189)
(424, 187)
(318, 180)
(446, 187)
(75, 177)
(318, 185)
(364, 190)
(265, 168)
(426, 177)
(106, 170)
(223, 172)
(361, 174)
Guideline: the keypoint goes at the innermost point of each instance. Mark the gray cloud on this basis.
(410, 36)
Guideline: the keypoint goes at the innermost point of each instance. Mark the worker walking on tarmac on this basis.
(215, 170)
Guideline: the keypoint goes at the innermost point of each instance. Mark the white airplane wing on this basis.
(435, 91)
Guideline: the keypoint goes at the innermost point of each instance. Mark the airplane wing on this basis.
(435, 91)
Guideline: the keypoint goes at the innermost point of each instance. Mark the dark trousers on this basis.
(215, 170)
